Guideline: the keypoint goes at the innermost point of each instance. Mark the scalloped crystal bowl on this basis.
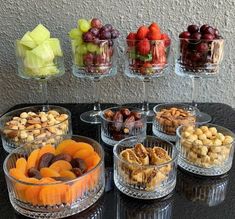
(145, 181)
(21, 127)
(55, 199)
(165, 125)
(205, 149)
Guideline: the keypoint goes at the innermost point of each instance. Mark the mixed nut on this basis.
(40, 128)
(138, 173)
(123, 123)
(170, 119)
(204, 146)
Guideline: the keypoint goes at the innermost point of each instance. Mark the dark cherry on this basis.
(208, 37)
(196, 36)
(195, 57)
(185, 34)
(193, 28)
(209, 30)
(217, 34)
(203, 27)
(202, 47)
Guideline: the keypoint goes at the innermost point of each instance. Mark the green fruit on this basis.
(44, 51)
(39, 34)
(28, 41)
(79, 60)
(55, 46)
(32, 61)
(92, 47)
(81, 49)
(84, 25)
(75, 33)
(21, 49)
(49, 70)
(145, 58)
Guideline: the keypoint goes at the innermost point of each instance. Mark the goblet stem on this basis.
(146, 83)
(43, 87)
(195, 90)
(97, 94)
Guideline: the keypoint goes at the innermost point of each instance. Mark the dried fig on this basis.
(45, 160)
(65, 157)
(79, 163)
(33, 172)
(77, 171)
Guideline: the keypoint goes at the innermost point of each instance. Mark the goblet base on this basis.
(92, 117)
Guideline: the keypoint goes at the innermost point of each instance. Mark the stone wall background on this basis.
(19, 16)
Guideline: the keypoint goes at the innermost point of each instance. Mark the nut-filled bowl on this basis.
(49, 182)
(145, 168)
(35, 125)
(169, 116)
(122, 122)
(205, 149)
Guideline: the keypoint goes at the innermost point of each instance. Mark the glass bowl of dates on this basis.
(169, 116)
(147, 52)
(122, 122)
(35, 125)
(55, 182)
(200, 51)
(145, 168)
(205, 149)
(93, 48)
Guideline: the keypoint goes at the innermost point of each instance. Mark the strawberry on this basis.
(159, 54)
(142, 32)
(146, 68)
(131, 39)
(154, 34)
(143, 47)
(154, 26)
(166, 38)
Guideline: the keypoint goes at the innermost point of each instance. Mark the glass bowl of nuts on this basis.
(205, 149)
(55, 182)
(169, 116)
(122, 122)
(145, 168)
(35, 125)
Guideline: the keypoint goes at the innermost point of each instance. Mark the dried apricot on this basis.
(92, 161)
(49, 172)
(83, 154)
(32, 193)
(68, 174)
(17, 174)
(65, 143)
(32, 159)
(61, 165)
(21, 165)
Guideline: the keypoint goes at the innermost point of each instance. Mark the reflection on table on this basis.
(204, 190)
(129, 208)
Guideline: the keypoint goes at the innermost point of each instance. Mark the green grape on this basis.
(81, 49)
(75, 33)
(92, 47)
(84, 25)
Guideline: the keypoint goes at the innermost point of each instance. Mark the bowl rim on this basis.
(6, 172)
(211, 125)
(175, 105)
(174, 158)
(34, 106)
(143, 115)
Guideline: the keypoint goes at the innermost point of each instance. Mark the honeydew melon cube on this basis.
(39, 34)
(28, 41)
(55, 45)
(48, 70)
(21, 49)
(44, 51)
(75, 33)
(32, 61)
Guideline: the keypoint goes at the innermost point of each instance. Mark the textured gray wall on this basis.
(18, 16)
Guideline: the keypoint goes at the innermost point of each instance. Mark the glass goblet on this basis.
(146, 61)
(199, 59)
(40, 65)
(94, 60)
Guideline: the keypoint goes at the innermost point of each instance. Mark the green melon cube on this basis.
(40, 34)
(55, 45)
(32, 61)
(28, 41)
(44, 51)
(21, 49)
(48, 70)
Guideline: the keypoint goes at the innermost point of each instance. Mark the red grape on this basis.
(96, 23)
(109, 27)
(87, 37)
(88, 58)
(105, 35)
(207, 36)
(202, 47)
(100, 59)
(203, 27)
(185, 34)
(196, 36)
(115, 33)
(94, 31)
(193, 28)
(209, 30)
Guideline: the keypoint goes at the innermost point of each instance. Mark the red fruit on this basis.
(131, 39)
(154, 34)
(146, 68)
(166, 38)
(143, 47)
(159, 54)
(142, 32)
(154, 26)
(185, 35)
